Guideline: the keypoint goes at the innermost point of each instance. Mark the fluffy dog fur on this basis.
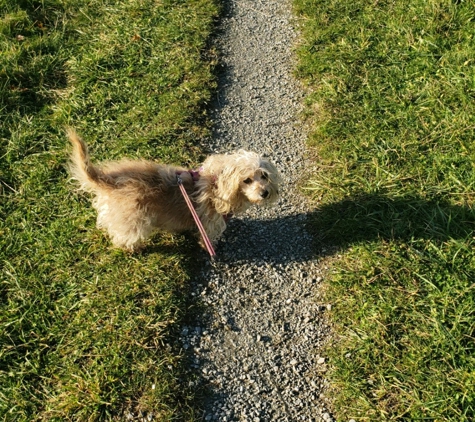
(135, 198)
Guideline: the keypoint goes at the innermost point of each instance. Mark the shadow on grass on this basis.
(341, 224)
(370, 217)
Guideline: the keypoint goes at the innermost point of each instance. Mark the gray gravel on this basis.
(258, 345)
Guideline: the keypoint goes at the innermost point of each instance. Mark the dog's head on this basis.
(256, 178)
(242, 178)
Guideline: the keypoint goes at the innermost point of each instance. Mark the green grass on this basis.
(393, 123)
(88, 332)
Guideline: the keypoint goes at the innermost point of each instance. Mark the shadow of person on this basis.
(370, 217)
(279, 240)
(338, 225)
(303, 237)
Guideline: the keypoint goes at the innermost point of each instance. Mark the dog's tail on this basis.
(80, 166)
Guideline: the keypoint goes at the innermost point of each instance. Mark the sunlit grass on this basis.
(88, 332)
(392, 109)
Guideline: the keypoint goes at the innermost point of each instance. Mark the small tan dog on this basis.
(136, 198)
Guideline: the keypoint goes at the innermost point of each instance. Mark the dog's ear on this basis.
(274, 180)
(228, 194)
(222, 184)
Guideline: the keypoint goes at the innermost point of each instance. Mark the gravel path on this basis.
(257, 346)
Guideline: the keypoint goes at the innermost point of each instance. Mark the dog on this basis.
(134, 199)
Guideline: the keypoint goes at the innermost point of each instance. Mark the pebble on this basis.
(260, 338)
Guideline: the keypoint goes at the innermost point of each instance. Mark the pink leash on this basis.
(209, 245)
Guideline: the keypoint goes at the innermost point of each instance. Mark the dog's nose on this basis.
(265, 194)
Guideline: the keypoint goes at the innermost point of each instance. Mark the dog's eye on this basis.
(248, 180)
(265, 176)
